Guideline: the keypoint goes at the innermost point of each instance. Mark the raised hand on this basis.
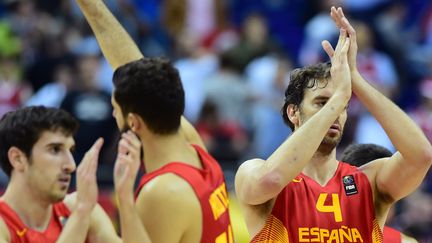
(127, 165)
(342, 23)
(340, 72)
(87, 189)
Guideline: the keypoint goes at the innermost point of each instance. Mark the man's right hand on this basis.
(127, 166)
(87, 189)
(340, 70)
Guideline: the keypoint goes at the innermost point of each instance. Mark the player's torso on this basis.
(340, 211)
(209, 186)
(20, 233)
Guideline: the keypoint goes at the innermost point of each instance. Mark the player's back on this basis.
(209, 187)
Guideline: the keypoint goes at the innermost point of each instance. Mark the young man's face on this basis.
(51, 165)
(314, 99)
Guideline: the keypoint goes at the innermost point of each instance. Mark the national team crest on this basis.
(349, 185)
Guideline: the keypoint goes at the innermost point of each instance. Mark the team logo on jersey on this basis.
(22, 232)
(349, 185)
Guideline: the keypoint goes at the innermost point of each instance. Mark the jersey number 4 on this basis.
(333, 208)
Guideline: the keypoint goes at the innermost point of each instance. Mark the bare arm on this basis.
(258, 181)
(116, 44)
(119, 48)
(125, 172)
(414, 157)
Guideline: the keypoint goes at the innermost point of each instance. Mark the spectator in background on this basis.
(267, 78)
(92, 107)
(53, 93)
(319, 27)
(195, 64)
(13, 90)
(377, 67)
(255, 41)
(197, 17)
(227, 99)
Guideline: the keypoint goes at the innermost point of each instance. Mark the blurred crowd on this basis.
(235, 58)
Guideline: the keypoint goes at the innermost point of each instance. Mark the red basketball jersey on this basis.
(209, 186)
(20, 233)
(340, 211)
(391, 235)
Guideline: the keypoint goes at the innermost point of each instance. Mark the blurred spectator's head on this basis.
(365, 36)
(425, 90)
(255, 29)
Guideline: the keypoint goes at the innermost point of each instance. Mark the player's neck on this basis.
(162, 150)
(321, 168)
(31, 208)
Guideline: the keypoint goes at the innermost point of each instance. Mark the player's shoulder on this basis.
(167, 189)
(371, 168)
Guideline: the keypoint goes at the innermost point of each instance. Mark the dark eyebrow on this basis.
(55, 144)
(321, 97)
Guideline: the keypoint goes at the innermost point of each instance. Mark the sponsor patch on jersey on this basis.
(349, 185)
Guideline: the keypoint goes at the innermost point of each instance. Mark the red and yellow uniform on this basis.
(20, 233)
(209, 186)
(340, 211)
(391, 235)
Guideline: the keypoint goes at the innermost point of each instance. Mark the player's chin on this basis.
(332, 141)
(58, 196)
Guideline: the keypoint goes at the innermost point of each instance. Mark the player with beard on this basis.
(36, 153)
(182, 197)
(301, 193)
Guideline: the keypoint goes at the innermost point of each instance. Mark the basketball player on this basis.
(301, 193)
(36, 154)
(360, 154)
(183, 197)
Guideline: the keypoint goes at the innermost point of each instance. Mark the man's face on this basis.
(314, 99)
(50, 165)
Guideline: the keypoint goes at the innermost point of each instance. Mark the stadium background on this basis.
(234, 58)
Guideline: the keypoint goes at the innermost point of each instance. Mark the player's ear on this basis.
(293, 113)
(17, 158)
(134, 122)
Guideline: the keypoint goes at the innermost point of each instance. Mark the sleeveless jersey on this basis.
(209, 187)
(20, 233)
(391, 235)
(340, 211)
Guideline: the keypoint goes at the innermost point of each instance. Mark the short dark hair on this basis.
(300, 80)
(22, 128)
(360, 154)
(151, 88)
